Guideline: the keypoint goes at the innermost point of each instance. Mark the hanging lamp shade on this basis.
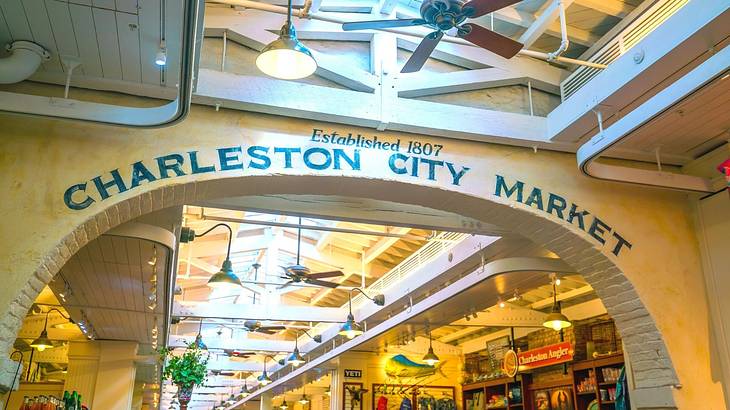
(430, 358)
(284, 406)
(295, 358)
(264, 378)
(198, 343)
(224, 277)
(286, 57)
(556, 320)
(350, 328)
(304, 400)
(42, 342)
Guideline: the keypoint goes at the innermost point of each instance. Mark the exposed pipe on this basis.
(311, 227)
(564, 42)
(303, 13)
(25, 58)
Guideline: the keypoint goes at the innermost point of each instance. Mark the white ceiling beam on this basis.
(614, 8)
(382, 245)
(257, 345)
(250, 29)
(228, 364)
(540, 25)
(258, 312)
(387, 6)
(570, 294)
(342, 106)
(423, 83)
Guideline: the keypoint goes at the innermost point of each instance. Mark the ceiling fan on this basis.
(298, 273)
(238, 353)
(256, 326)
(446, 15)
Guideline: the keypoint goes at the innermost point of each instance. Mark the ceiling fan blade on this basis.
(422, 52)
(376, 24)
(275, 328)
(322, 283)
(322, 275)
(251, 324)
(477, 8)
(286, 285)
(489, 40)
(266, 331)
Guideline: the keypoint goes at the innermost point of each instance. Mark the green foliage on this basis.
(187, 370)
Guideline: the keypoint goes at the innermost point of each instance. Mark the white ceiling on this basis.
(110, 282)
(114, 40)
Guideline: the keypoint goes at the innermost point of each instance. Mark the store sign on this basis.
(353, 374)
(545, 356)
(557, 206)
(323, 151)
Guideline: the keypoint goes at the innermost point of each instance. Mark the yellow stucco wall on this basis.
(41, 158)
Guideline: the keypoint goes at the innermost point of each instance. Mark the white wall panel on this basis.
(108, 43)
(127, 6)
(85, 32)
(105, 4)
(149, 32)
(5, 37)
(40, 25)
(128, 31)
(16, 20)
(63, 31)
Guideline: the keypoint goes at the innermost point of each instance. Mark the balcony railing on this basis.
(629, 37)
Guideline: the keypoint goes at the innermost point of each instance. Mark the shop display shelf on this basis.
(581, 393)
(610, 383)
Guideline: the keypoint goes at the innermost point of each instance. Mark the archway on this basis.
(650, 360)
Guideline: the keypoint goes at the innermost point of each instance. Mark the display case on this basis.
(595, 382)
(504, 393)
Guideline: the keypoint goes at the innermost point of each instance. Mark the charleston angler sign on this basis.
(333, 151)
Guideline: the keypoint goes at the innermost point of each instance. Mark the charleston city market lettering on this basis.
(258, 157)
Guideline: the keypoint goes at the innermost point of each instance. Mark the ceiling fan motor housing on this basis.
(443, 14)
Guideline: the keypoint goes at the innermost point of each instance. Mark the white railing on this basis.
(428, 252)
(630, 36)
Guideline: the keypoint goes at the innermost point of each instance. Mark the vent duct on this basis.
(24, 59)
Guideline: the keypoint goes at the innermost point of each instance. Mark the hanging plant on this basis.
(186, 370)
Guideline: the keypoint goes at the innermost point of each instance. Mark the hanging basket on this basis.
(184, 393)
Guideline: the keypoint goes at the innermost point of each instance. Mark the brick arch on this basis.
(651, 364)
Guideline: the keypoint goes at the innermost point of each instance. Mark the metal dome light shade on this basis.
(286, 57)
(42, 342)
(224, 277)
(350, 329)
(556, 320)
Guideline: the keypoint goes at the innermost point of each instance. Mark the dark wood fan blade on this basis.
(422, 52)
(266, 331)
(322, 283)
(275, 328)
(477, 8)
(376, 24)
(286, 285)
(489, 40)
(322, 275)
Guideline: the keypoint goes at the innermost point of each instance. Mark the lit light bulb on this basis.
(41, 348)
(502, 304)
(556, 325)
(557, 281)
(351, 334)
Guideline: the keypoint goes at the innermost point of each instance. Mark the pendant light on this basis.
(224, 278)
(296, 358)
(350, 329)
(42, 342)
(286, 58)
(264, 377)
(328, 392)
(556, 320)
(430, 358)
(304, 400)
(284, 406)
(198, 342)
